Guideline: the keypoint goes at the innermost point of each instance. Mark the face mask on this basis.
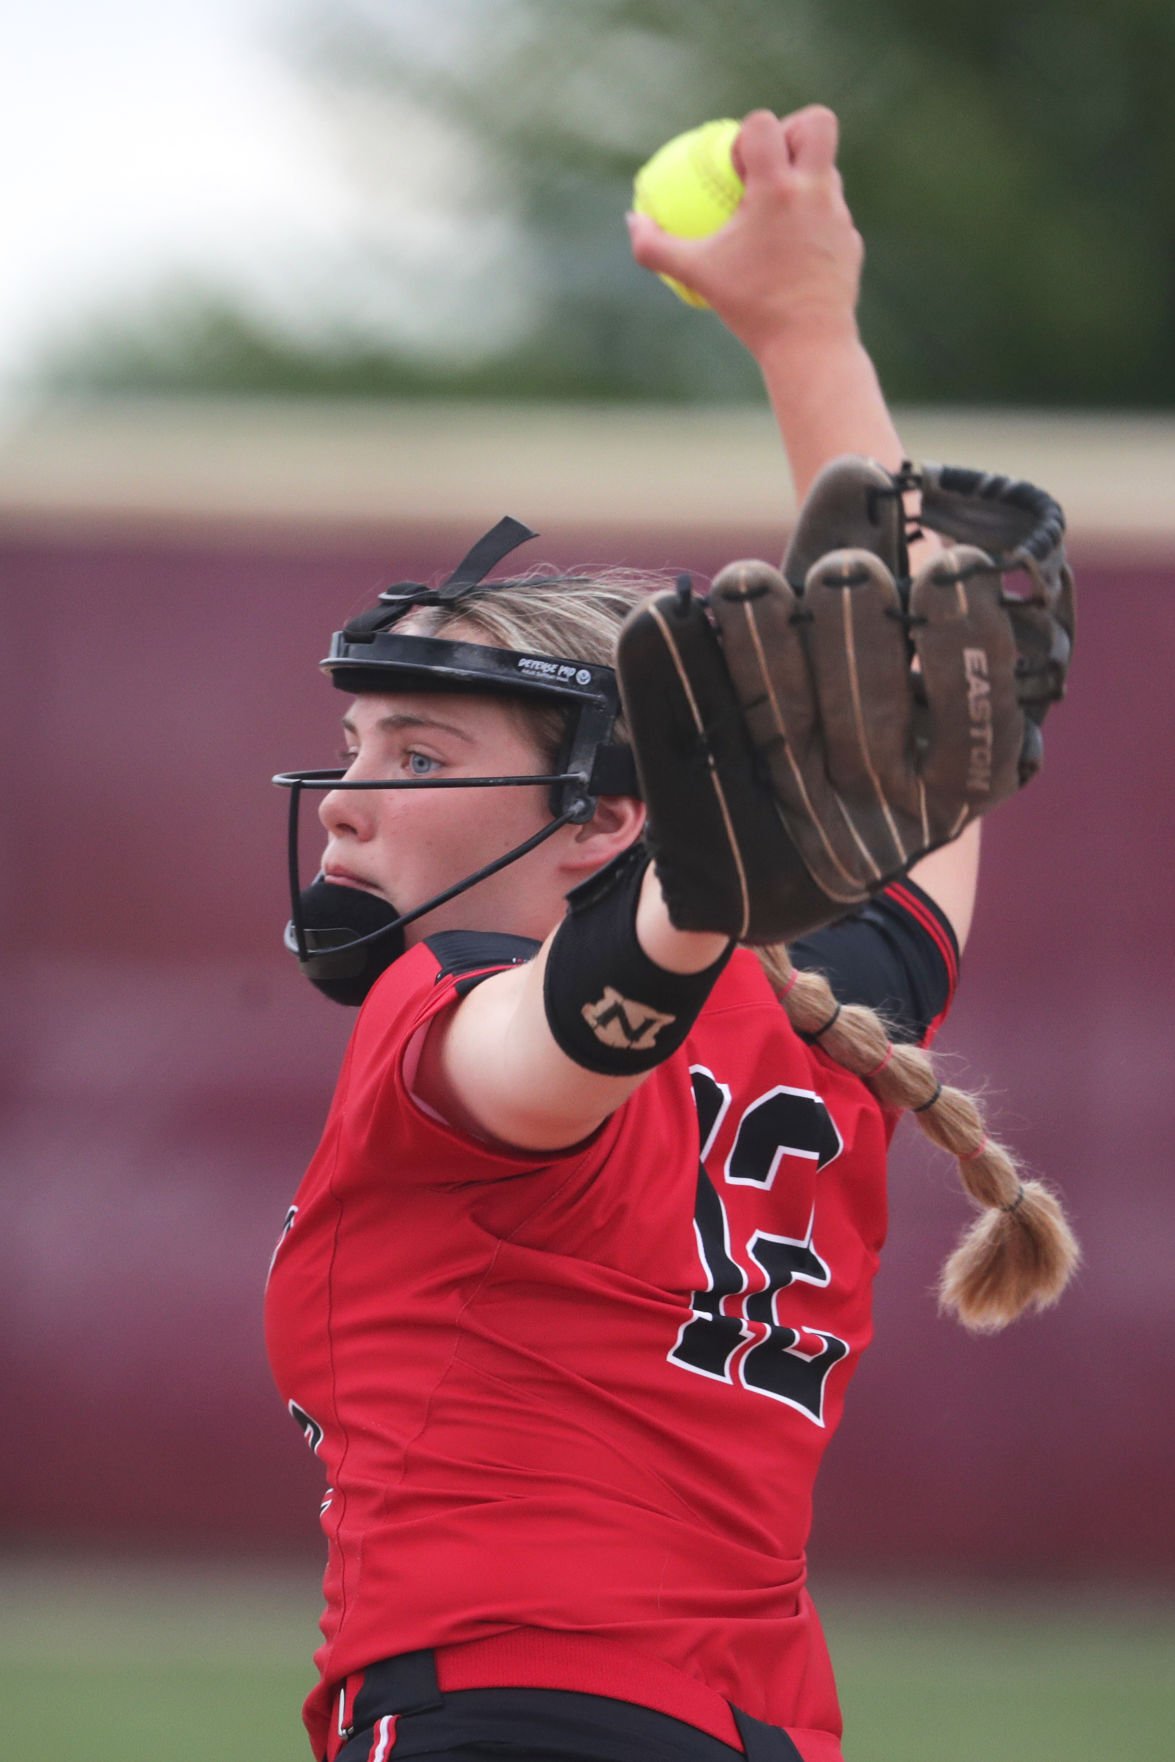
(344, 938)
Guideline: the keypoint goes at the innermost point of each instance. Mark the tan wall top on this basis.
(379, 464)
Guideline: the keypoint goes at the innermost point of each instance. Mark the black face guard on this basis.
(343, 938)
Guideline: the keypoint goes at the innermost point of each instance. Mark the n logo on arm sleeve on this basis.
(618, 1021)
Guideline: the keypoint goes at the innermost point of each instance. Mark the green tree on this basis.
(1009, 166)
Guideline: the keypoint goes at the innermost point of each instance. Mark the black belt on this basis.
(561, 1722)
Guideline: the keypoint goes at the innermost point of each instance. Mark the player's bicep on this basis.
(539, 1056)
(490, 1067)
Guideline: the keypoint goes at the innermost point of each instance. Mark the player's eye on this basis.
(421, 764)
(347, 755)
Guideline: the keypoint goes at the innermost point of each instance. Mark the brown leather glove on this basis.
(803, 738)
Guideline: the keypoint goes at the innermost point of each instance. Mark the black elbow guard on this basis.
(609, 1007)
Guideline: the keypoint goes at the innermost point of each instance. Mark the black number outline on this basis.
(818, 1150)
(287, 1226)
(781, 1338)
(707, 1325)
(308, 1426)
(756, 1337)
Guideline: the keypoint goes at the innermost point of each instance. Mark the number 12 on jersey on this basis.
(770, 1359)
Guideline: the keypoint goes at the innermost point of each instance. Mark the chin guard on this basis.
(342, 939)
(343, 944)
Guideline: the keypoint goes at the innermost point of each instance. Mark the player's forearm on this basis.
(827, 399)
(678, 951)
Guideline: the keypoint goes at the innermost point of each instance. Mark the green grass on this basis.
(1032, 1679)
(110, 1662)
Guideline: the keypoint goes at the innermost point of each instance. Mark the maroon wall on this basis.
(165, 1072)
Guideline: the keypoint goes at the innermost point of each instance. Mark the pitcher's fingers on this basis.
(812, 136)
(760, 153)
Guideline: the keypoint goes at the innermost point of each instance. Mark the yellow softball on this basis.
(690, 187)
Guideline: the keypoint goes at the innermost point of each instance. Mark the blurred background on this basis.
(298, 299)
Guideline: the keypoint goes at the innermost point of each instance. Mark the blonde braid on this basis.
(1020, 1251)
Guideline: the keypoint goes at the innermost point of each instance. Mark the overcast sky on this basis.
(138, 136)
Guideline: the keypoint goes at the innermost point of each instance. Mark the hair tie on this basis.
(831, 1022)
(795, 973)
(930, 1100)
(1017, 1202)
(970, 1155)
(877, 1069)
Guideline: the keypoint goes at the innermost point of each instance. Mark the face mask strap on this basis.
(519, 850)
(296, 782)
(469, 575)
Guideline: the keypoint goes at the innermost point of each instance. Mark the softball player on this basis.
(570, 1297)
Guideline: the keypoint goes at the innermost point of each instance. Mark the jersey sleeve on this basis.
(898, 954)
(469, 956)
(388, 1126)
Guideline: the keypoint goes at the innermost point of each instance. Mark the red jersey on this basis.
(571, 1405)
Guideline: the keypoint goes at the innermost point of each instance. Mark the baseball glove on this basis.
(803, 738)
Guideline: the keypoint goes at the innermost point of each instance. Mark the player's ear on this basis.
(617, 822)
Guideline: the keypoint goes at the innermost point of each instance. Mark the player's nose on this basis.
(347, 813)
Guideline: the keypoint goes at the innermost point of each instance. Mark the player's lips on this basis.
(345, 878)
